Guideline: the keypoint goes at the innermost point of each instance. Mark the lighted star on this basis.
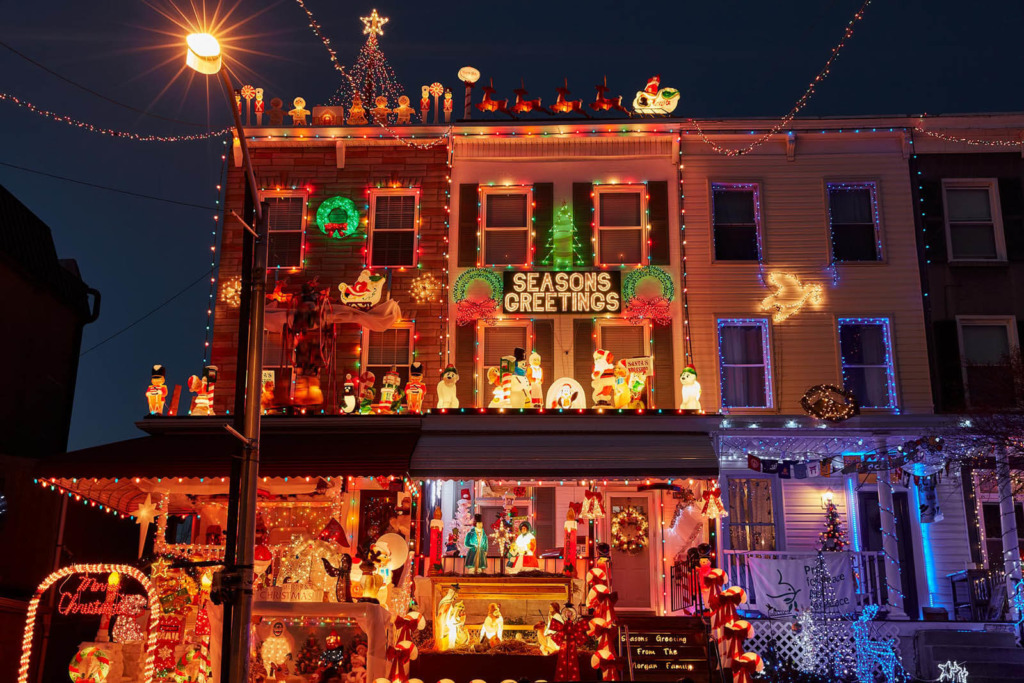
(372, 25)
(953, 672)
(159, 568)
(145, 513)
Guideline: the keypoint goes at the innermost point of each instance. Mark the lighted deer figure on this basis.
(566, 106)
(524, 106)
(490, 104)
(602, 103)
(871, 653)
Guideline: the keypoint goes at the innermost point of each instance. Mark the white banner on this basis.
(783, 587)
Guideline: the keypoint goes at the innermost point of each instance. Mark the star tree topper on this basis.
(373, 24)
(145, 514)
(953, 672)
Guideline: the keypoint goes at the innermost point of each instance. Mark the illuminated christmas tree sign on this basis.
(577, 292)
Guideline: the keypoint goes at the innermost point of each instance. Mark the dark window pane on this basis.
(854, 243)
(284, 250)
(744, 387)
(869, 385)
(393, 248)
(850, 205)
(733, 206)
(985, 344)
(969, 204)
(390, 347)
(862, 344)
(621, 246)
(620, 209)
(741, 344)
(973, 240)
(506, 210)
(852, 222)
(395, 212)
(506, 246)
(736, 243)
(284, 213)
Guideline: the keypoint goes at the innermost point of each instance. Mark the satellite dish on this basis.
(469, 75)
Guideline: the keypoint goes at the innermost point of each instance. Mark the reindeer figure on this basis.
(490, 104)
(602, 103)
(565, 106)
(524, 106)
(871, 653)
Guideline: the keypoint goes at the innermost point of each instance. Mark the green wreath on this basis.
(629, 283)
(327, 218)
(629, 516)
(489, 276)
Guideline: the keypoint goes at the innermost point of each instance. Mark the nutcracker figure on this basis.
(436, 545)
(424, 104)
(415, 389)
(156, 393)
(448, 106)
(258, 106)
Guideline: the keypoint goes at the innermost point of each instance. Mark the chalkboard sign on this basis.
(664, 648)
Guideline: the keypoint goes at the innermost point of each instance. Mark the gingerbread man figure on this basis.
(300, 112)
(404, 111)
(356, 113)
(276, 113)
(381, 111)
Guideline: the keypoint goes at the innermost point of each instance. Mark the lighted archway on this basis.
(63, 572)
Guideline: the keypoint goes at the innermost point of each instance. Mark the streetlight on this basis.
(204, 56)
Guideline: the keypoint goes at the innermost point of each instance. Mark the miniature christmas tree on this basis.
(309, 655)
(833, 538)
(372, 75)
(563, 248)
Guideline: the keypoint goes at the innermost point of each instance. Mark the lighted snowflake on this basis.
(954, 672)
(425, 288)
(231, 292)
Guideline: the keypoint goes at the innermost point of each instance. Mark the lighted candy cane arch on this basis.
(63, 572)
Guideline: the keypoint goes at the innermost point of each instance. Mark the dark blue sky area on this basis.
(730, 58)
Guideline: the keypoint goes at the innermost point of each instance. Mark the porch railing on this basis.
(867, 568)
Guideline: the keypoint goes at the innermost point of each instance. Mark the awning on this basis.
(573, 446)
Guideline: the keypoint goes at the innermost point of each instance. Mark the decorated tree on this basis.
(833, 538)
(309, 656)
(372, 75)
(563, 248)
(827, 647)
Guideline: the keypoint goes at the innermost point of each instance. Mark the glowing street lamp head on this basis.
(203, 53)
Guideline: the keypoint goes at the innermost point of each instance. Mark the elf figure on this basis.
(258, 106)
(389, 390)
(366, 392)
(436, 547)
(424, 104)
(691, 389)
(156, 392)
(535, 376)
(415, 389)
(603, 379)
(446, 391)
(381, 111)
(356, 113)
(299, 113)
(348, 396)
(202, 387)
(449, 105)
(403, 111)
(476, 547)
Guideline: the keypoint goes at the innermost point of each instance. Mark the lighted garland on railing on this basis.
(127, 135)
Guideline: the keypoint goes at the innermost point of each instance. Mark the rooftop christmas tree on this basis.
(372, 75)
(833, 538)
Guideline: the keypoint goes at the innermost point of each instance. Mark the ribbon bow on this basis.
(745, 666)
(399, 656)
(605, 661)
(593, 505)
(409, 623)
(728, 602)
(713, 581)
(600, 627)
(734, 636)
(710, 495)
(602, 600)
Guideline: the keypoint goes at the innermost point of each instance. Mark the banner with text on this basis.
(577, 292)
(783, 587)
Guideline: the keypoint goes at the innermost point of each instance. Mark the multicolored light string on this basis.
(372, 75)
(221, 181)
(124, 134)
(314, 25)
(976, 142)
(800, 103)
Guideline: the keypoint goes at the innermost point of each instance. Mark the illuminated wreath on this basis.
(629, 516)
(489, 276)
(632, 279)
(181, 669)
(89, 664)
(829, 402)
(339, 218)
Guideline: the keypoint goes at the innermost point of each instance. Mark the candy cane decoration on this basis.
(126, 570)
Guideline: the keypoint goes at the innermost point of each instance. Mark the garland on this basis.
(829, 402)
(629, 283)
(629, 515)
(344, 230)
(488, 276)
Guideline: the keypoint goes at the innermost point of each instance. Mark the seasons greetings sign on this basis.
(576, 292)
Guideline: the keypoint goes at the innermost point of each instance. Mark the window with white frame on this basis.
(745, 363)
(865, 348)
(853, 222)
(988, 346)
(394, 218)
(751, 514)
(507, 226)
(621, 219)
(736, 221)
(387, 349)
(974, 229)
(993, 527)
(286, 223)
(625, 340)
(497, 341)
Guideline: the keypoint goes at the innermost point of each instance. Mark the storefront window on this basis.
(751, 514)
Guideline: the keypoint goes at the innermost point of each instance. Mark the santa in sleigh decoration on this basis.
(654, 100)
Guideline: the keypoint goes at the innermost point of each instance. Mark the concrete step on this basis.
(940, 638)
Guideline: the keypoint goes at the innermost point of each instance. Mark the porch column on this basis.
(1008, 528)
(890, 543)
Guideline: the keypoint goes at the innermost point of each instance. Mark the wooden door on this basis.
(631, 573)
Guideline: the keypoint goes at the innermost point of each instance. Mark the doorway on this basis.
(631, 572)
(871, 523)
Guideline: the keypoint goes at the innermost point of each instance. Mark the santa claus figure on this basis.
(156, 392)
(523, 554)
(653, 85)
(603, 379)
(202, 387)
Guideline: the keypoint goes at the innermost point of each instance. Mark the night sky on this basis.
(730, 58)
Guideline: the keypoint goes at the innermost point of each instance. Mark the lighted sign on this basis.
(576, 292)
(468, 74)
(94, 596)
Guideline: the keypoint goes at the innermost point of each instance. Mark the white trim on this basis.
(375, 193)
(364, 344)
(644, 227)
(280, 194)
(992, 185)
(1013, 344)
(752, 186)
(527, 190)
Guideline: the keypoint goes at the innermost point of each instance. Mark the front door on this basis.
(871, 522)
(631, 572)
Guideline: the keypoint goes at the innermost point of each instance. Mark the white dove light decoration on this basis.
(790, 295)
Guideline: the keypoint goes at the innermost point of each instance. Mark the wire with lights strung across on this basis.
(829, 402)
(623, 541)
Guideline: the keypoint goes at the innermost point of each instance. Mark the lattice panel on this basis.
(788, 643)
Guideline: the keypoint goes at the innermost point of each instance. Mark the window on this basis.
(745, 363)
(507, 226)
(751, 514)
(853, 221)
(987, 350)
(624, 340)
(994, 532)
(736, 217)
(865, 349)
(974, 226)
(500, 340)
(394, 217)
(621, 219)
(286, 227)
(387, 349)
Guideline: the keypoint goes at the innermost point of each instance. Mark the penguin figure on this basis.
(348, 396)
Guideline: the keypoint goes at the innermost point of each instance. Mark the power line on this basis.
(128, 327)
(107, 188)
(97, 94)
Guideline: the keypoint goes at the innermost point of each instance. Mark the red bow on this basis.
(468, 311)
(708, 495)
(734, 636)
(728, 602)
(400, 655)
(605, 661)
(602, 600)
(713, 581)
(406, 625)
(745, 666)
(568, 636)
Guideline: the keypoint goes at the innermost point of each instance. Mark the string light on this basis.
(314, 25)
(782, 308)
(371, 73)
(800, 103)
(977, 142)
(124, 134)
(221, 182)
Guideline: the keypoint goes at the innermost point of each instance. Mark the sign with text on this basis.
(585, 292)
(783, 587)
(641, 365)
(662, 654)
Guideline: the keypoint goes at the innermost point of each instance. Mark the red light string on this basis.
(800, 103)
(124, 134)
(979, 142)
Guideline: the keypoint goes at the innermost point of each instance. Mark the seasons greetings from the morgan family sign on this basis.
(578, 292)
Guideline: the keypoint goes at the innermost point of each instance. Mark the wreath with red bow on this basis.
(632, 543)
